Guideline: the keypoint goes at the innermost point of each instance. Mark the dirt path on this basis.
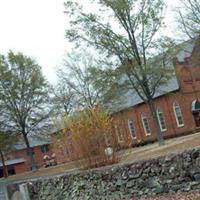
(175, 145)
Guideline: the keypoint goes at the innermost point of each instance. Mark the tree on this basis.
(63, 99)
(91, 136)
(23, 97)
(81, 77)
(131, 35)
(6, 144)
(189, 17)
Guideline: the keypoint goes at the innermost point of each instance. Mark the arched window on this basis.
(131, 128)
(195, 106)
(119, 133)
(178, 114)
(161, 120)
(145, 124)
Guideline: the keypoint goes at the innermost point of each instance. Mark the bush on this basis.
(92, 137)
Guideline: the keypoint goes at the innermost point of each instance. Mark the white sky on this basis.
(37, 29)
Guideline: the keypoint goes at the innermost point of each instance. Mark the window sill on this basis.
(180, 126)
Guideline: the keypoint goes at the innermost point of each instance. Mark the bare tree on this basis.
(189, 17)
(131, 33)
(82, 77)
(63, 99)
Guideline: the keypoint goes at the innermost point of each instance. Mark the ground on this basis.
(174, 145)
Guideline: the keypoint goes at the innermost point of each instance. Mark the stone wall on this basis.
(168, 174)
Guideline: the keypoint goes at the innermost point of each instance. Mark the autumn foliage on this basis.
(92, 137)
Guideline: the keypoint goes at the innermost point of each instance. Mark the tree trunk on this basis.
(30, 153)
(5, 171)
(156, 122)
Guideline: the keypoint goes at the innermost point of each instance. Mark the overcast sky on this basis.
(37, 28)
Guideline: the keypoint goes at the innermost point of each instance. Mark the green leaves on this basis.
(136, 39)
(23, 94)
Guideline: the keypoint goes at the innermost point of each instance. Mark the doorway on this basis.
(196, 112)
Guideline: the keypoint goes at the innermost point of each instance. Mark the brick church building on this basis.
(178, 107)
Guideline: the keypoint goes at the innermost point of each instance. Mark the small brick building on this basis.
(178, 107)
(18, 161)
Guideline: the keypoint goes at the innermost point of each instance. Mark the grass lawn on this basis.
(174, 145)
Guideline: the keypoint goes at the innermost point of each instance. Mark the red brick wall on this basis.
(62, 147)
(188, 77)
(38, 155)
(20, 168)
(165, 103)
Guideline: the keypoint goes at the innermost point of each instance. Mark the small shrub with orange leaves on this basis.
(92, 137)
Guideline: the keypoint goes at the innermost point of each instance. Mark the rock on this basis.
(130, 184)
(197, 177)
(168, 158)
(158, 189)
(168, 181)
(195, 154)
(198, 162)
(124, 175)
(175, 187)
(119, 182)
(172, 169)
(194, 183)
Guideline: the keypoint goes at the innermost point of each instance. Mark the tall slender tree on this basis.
(131, 34)
(23, 97)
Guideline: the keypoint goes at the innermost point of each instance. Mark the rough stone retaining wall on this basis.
(168, 174)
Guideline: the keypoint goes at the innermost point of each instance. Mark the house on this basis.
(18, 161)
(178, 107)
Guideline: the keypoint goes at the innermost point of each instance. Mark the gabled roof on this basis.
(14, 161)
(186, 50)
(130, 98)
(34, 141)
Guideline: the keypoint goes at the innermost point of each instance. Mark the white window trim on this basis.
(144, 127)
(129, 120)
(118, 138)
(177, 122)
(159, 121)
